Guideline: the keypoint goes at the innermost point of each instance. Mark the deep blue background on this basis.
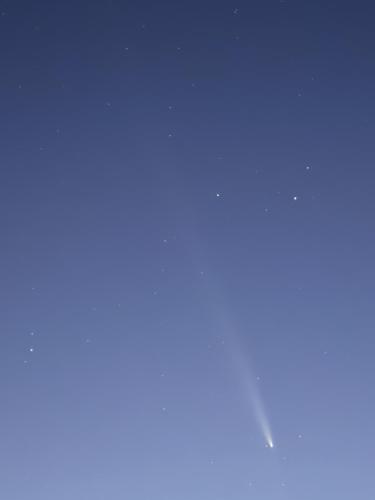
(151, 154)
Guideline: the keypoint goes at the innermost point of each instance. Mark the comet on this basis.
(227, 326)
(259, 411)
(252, 393)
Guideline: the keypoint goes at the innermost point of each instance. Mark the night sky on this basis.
(187, 250)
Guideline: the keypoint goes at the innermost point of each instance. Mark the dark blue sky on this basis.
(187, 207)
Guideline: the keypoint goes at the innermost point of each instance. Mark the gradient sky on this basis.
(187, 229)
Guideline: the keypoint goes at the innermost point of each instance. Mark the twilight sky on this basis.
(187, 197)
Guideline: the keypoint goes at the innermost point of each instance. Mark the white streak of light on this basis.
(252, 394)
